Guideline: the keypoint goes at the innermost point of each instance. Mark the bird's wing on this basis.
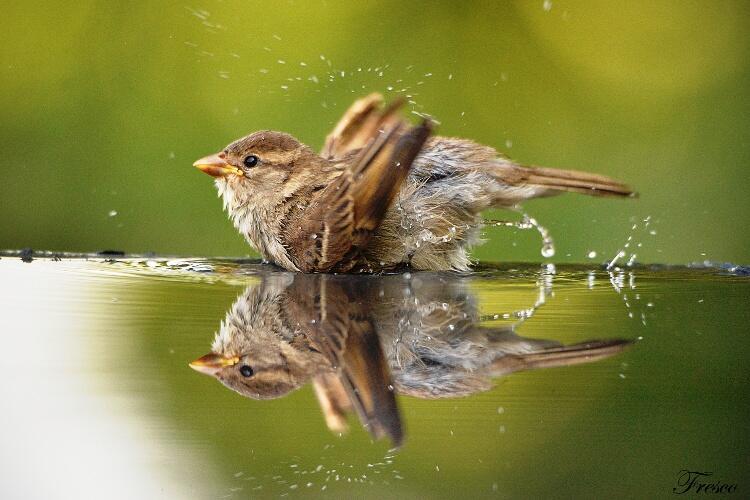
(348, 336)
(365, 376)
(338, 325)
(359, 124)
(342, 216)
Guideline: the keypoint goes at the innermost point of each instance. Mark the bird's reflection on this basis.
(359, 339)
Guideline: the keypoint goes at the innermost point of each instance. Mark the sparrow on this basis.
(361, 340)
(281, 334)
(382, 195)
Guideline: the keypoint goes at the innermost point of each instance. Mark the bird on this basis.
(360, 340)
(382, 195)
(281, 334)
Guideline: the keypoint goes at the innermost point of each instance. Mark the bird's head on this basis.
(261, 164)
(255, 353)
(265, 375)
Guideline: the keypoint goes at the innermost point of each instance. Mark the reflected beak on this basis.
(216, 166)
(211, 363)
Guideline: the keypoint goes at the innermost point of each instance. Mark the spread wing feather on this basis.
(339, 327)
(359, 124)
(343, 216)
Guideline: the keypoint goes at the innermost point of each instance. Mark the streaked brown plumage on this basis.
(359, 338)
(381, 195)
(287, 331)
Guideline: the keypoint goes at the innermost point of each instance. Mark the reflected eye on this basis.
(250, 161)
(246, 371)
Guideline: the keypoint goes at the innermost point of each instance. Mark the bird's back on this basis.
(436, 216)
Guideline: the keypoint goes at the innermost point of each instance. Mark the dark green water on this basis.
(99, 399)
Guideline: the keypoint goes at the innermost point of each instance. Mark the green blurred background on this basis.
(105, 106)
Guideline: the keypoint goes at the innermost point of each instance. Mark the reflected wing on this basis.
(341, 329)
(361, 383)
(344, 215)
(333, 400)
(367, 380)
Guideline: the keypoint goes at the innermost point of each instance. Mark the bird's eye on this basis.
(246, 371)
(250, 161)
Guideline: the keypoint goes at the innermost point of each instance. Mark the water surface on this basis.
(99, 397)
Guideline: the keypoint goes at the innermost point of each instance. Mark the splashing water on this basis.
(626, 248)
(528, 222)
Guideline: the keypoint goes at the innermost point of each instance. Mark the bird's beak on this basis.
(216, 166)
(211, 363)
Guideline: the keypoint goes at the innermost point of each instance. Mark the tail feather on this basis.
(561, 180)
(584, 352)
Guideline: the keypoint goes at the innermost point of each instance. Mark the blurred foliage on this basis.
(106, 105)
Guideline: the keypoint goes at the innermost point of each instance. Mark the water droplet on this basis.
(617, 257)
(591, 254)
